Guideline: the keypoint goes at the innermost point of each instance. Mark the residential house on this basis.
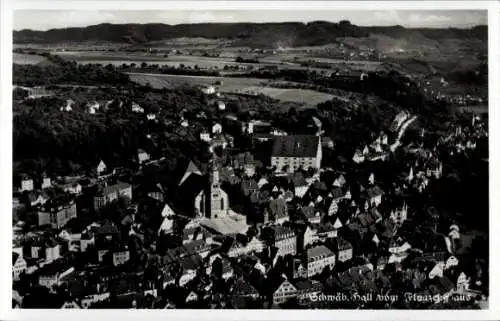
(463, 282)
(434, 168)
(318, 258)
(325, 231)
(86, 241)
(142, 156)
(26, 184)
(46, 183)
(278, 211)
(192, 296)
(205, 136)
(70, 304)
(242, 288)
(249, 186)
(57, 212)
(294, 151)
(374, 195)
(221, 105)
(167, 226)
(72, 188)
(310, 236)
(217, 129)
(112, 192)
(200, 247)
(299, 269)
(37, 198)
(344, 249)
(121, 256)
(339, 181)
(208, 90)
(101, 168)
(136, 108)
(253, 246)
(52, 274)
(52, 251)
(284, 292)
(307, 289)
(400, 214)
(284, 239)
(358, 157)
(19, 265)
(335, 196)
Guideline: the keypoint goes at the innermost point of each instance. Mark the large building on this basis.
(111, 193)
(57, 213)
(284, 239)
(294, 151)
(318, 258)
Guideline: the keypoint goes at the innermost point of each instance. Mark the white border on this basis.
(6, 313)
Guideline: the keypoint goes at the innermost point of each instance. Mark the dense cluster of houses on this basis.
(248, 235)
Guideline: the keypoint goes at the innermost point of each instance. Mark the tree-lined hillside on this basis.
(250, 34)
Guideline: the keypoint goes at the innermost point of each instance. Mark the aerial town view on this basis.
(247, 164)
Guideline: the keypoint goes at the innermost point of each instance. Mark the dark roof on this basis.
(14, 257)
(280, 232)
(295, 146)
(115, 188)
(337, 193)
(189, 189)
(304, 285)
(278, 208)
(319, 250)
(106, 229)
(374, 191)
(241, 287)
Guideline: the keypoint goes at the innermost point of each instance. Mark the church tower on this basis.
(219, 202)
(213, 202)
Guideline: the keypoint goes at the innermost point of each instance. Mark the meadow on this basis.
(26, 59)
(249, 86)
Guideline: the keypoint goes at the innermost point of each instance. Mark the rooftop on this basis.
(295, 146)
(318, 251)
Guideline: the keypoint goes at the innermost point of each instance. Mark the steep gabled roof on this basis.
(241, 287)
(191, 169)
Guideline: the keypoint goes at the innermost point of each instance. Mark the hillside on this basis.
(244, 34)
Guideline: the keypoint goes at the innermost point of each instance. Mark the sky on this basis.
(49, 19)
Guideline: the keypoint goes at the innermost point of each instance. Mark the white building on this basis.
(294, 151)
(318, 258)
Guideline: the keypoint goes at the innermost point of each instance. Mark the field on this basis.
(25, 59)
(303, 96)
(173, 60)
(173, 81)
(252, 86)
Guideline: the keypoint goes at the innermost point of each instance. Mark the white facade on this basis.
(121, 257)
(345, 254)
(310, 236)
(101, 168)
(295, 163)
(316, 263)
(285, 292)
(287, 245)
(46, 183)
(26, 185)
(19, 267)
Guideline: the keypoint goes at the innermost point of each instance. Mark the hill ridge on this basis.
(241, 33)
